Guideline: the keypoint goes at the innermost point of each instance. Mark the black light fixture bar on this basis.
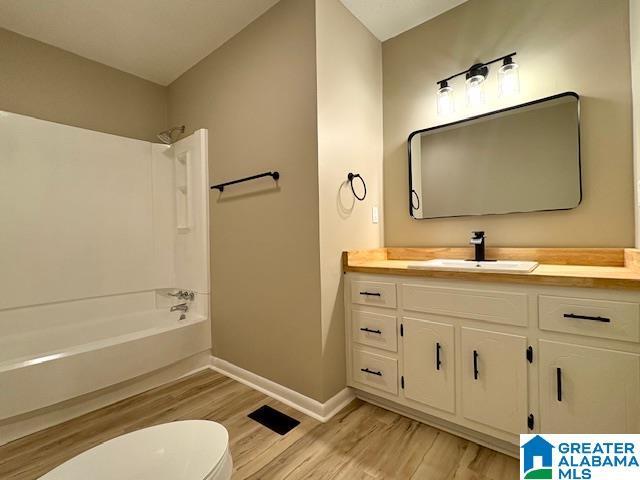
(474, 67)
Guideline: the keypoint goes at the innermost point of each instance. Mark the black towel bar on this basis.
(220, 186)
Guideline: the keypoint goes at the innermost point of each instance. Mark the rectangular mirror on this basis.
(521, 159)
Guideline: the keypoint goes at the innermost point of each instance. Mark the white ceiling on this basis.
(388, 18)
(153, 39)
(161, 39)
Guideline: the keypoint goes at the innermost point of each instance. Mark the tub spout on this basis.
(183, 307)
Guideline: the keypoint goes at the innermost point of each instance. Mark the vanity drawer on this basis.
(592, 318)
(377, 294)
(509, 308)
(375, 329)
(376, 371)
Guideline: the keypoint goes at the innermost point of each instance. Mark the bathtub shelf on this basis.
(183, 192)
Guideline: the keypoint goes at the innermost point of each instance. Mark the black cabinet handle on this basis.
(371, 294)
(365, 329)
(438, 362)
(587, 317)
(366, 370)
(475, 364)
(559, 383)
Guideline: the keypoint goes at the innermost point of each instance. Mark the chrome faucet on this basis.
(183, 307)
(477, 240)
(183, 295)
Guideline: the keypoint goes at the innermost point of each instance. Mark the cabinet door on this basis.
(429, 371)
(588, 390)
(494, 379)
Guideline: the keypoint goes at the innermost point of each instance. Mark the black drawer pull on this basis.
(371, 294)
(475, 364)
(587, 317)
(438, 362)
(365, 329)
(559, 383)
(366, 370)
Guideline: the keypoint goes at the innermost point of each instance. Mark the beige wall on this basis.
(45, 82)
(349, 79)
(580, 45)
(257, 96)
(634, 23)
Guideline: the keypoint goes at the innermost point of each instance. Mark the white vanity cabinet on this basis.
(489, 361)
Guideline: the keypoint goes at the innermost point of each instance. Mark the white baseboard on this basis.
(313, 408)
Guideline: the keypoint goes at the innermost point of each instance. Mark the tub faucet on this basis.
(183, 295)
(183, 307)
(477, 240)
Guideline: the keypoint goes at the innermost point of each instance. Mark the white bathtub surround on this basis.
(313, 408)
(97, 231)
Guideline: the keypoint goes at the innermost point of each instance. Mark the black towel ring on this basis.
(417, 197)
(350, 178)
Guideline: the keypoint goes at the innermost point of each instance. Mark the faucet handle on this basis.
(188, 295)
(183, 295)
(477, 238)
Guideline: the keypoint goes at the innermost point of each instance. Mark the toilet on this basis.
(185, 450)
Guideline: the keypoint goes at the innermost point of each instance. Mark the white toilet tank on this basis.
(186, 450)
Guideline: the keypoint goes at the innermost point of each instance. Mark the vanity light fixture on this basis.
(475, 77)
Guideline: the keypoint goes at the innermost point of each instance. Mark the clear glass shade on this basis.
(445, 101)
(475, 91)
(508, 80)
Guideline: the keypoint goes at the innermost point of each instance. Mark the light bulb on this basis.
(475, 85)
(445, 99)
(475, 92)
(508, 78)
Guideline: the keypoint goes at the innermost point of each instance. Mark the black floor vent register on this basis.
(274, 420)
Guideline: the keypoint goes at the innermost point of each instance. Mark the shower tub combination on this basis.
(100, 231)
(39, 368)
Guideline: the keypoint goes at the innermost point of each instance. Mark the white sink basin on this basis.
(499, 266)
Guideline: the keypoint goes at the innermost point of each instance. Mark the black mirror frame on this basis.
(475, 117)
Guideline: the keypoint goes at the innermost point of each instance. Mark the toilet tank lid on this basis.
(189, 450)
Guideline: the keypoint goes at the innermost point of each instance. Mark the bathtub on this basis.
(41, 367)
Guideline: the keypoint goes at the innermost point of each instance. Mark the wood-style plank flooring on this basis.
(361, 442)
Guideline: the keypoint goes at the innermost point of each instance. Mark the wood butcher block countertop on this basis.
(569, 267)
